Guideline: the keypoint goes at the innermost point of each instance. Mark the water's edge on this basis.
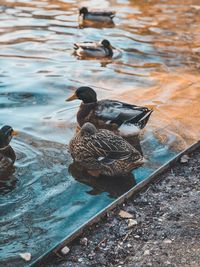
(136, 189)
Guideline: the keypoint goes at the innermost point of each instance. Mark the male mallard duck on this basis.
(93, 49)
(95, 16)
(122, 118)
(7, 154)
(103, 152)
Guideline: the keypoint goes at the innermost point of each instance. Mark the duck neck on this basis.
(109, 51)
(84, 111)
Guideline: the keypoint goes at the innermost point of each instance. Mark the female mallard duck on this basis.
(93, 49)
(7, 154)
(102, 152)
(124, 119)
(97, 16)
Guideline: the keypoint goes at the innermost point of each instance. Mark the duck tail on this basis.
(144, 119)
(112, 15)
(76, 46)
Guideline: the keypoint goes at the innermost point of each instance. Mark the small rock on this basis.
(84, 241)
(136, 236)
(65, 250)
(125, 215)
(131, 223)
(167, 262)
(91, 256)
(129, 245)
(167, 241)
(184, 159)
(25, 256)
(147, 252)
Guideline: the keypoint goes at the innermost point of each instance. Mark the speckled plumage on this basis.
(103, 151)
(7, 154)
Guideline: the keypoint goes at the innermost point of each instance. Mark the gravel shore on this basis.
(158, 227)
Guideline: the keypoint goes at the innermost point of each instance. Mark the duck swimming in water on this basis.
(102, 152)
(7, 154)
(95, 16)
(92, 49)
(122, 118)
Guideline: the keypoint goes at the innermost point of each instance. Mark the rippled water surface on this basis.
(158, 65)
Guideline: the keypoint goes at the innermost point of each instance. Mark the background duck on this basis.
(94, 49)
(7, 154)
(95, 16)
(102, 152)
(122, 118)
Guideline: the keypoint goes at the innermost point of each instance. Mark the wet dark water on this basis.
(158, 66)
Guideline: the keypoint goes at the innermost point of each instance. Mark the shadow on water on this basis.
(114, 186)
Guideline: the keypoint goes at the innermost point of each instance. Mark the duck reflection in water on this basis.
(115, 186)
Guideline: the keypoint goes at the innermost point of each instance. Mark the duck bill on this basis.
(14, 133)
(71, 98)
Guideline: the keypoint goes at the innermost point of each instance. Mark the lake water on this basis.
(158, 66)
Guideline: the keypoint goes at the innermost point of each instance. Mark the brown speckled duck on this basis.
(102, 152)
(7, 154)
(122, 118)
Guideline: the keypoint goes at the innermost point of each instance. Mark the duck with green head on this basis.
(100, 49)
(102, 152)
(7, 154)
(122, 118)
(95, 16)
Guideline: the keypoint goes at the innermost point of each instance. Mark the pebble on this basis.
(25, 256)
(167, 241)
(136, 236)
(131, 223)
(147, 252)
(125, 215)
(65, 250)
(184, 159)
(84, 241)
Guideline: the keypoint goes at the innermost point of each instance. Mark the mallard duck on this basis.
(93, 49)
(102, 152)
(122, 118)
(7, 154)
(95, 16)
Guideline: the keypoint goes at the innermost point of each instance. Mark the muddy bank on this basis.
(164, 229)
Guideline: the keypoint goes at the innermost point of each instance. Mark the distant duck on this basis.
(7, 154)
(122, 118)
(102, 152)
(95, 16)
(94, 49)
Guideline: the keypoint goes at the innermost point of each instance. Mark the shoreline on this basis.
(163, 228)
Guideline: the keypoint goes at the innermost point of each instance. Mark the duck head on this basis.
(84, 93)
(83, 11)
(88, 129)
(6, 134)
(107, 45)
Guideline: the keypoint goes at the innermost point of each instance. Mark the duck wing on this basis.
(103, 13)
(86, 45)
(116, 112)
(110, 147)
